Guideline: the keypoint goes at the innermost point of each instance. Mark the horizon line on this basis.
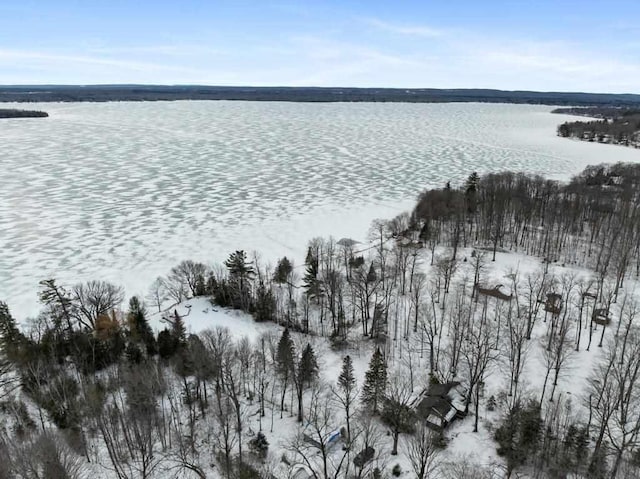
(199, 85)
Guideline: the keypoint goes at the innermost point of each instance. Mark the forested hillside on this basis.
(75, 93)
(618, 126)
(491, 332)
(12, 113)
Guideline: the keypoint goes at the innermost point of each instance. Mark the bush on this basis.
(396, 471)
(260, 445)
(440, 440)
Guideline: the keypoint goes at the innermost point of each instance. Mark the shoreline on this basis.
(9, 113)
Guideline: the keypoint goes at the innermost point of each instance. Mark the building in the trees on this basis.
(553, 304)
(495, 292)
(441, 404)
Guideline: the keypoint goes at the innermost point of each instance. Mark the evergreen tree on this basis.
(211, 284)
(285, 363)
(260, 445)
(179, 331)
(375, 382)
(241, 273)
(11, 338)
(471, 185)
(372, 276)
(306, 373)
(201, 286)
(425, 232)
(265, 304)
(283, 270)
(308, 368)
(58, 300)
(310, 280)
(139, 328)
(347, 380)
(133, 353)
(519, 435)
(347, 391)
(470, 191)
(166, 344)
(378, 325)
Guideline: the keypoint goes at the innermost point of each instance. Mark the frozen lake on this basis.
(123, 191)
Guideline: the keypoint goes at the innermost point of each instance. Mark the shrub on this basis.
(260, 445)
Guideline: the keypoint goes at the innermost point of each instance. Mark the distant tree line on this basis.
(622, 130)
(12, 113)
(72, 93)
(601, 111)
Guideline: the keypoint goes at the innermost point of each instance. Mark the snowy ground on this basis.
(477, 448)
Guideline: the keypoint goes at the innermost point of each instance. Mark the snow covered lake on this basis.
(124, 191)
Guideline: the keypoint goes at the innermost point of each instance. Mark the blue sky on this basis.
(537, 45)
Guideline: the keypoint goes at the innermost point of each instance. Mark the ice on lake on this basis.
(123, 191)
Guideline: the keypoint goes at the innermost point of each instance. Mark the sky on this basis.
(544, 45)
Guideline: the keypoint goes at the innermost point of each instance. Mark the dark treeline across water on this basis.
(100, 93)
(12, 113)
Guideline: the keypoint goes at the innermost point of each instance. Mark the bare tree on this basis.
(158, 293)
(479, 351)
(557, 355)
(94, 299)
(396, 412)
(515, 350)
(368, 446)
(225, 437)
(188, 276)
(315, 445)
(45, 456)
(422, 452)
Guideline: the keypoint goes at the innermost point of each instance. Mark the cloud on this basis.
(568, 66)
(44, 57)
(409, 30)
(165, 50)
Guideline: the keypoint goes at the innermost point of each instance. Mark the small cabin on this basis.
(440, 405)
(495, 292)
(553, 304)
(601, 316)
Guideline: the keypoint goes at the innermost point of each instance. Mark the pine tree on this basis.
(179, 331)
(310, 280)
(241, 272)
(201, 285)
(139, 326)
(58, 300)
(375, 382)
(308, 369)
(306, 373)
(166, 344)
(471, 188)
(283, 270)
(285, 362)
(378, 325)
(347, 390)
(372, 276)
(11, 338)
(265, 304)
(471, 185)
